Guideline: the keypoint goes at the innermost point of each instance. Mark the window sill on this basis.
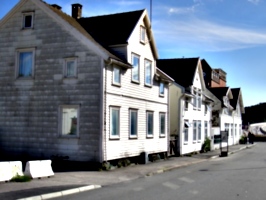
(149, 136)
(142, 42)
(185, 143)
(148, 85)
(116, 84)
(66, 136)
(70, 80)
(135, 82)
(162, 136)
(194, 142)
(161, 95)
(114, 138)
(24, 81)
(133, 137)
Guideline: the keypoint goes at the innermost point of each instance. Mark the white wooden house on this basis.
(190, 107)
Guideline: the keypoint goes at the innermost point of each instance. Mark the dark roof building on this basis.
(182, 70)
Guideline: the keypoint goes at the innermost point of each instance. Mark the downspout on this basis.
(181, 123)
(102, 109)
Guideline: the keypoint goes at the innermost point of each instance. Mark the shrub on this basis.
(206, 146)
(19, 178)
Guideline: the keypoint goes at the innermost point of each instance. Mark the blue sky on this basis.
(229, 34)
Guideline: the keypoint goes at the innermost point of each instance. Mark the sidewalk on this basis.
(95, 179)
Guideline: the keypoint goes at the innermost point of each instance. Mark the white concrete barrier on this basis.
(5, 171)
(39, 168)
(16, 168)
(8, 170)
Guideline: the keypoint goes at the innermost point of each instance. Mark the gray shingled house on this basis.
(71, 87)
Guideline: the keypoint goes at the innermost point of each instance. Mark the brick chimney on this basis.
(76, 10)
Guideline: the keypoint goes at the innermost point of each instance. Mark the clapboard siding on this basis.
(126, 147)
(29, 111)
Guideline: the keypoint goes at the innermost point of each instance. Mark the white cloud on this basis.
(206, 36)
(256, 2)
(127, 3)
(184, 10)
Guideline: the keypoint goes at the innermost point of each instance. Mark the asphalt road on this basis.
(237, 177)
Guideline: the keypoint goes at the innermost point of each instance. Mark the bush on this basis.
(19, 178)
(243, 140)
(206, 146)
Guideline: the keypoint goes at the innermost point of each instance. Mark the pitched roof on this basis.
(182, 70)
(111, 29)
(235, 92)
(219, 92)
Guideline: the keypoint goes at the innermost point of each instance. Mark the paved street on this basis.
(239, 176)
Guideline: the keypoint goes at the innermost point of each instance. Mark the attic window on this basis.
(142, 34)
(27, 20)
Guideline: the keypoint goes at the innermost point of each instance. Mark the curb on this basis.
(62, 193)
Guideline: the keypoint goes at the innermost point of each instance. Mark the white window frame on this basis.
(116, 136)
(147, 124)
(186, 102)
(199, 132)
(142, 34)
(136, 126)
(138, 69)
(195, 128)
(61, 108)
(150, 75)
(199, 99)
(114, 74)
(194, 91)
(161, 93)
(186, 131)
(206, 129)
(18, 52)
(71, 59)
(24, 15)
(160, 124)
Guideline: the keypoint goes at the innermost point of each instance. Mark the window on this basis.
(114, 122)
(240, 129)
(162, 124)
(186, 128)
(70, 67)
(206, 129)
(161, 89)
(186, 104)
(199, 99)
(116, 76)
(226, 127)
(25, 62)
(235, 129)
(133, 115)
(194, 130)
(69, 120)
(205, 109)
(149, 124)
(135, 70)
(27, 20)
(194, 98)
(232, 129)
(199, 130)
(142, 34)
(148, 70)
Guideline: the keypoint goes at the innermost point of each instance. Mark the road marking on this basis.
(137, 189)
(171, 185)
(188, 180)
(194, 191)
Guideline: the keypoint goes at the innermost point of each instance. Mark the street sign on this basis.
(224, 139)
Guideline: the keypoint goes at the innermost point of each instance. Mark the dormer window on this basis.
(142, 34)
(27, 20)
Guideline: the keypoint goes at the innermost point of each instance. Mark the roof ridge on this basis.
(120, 13)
